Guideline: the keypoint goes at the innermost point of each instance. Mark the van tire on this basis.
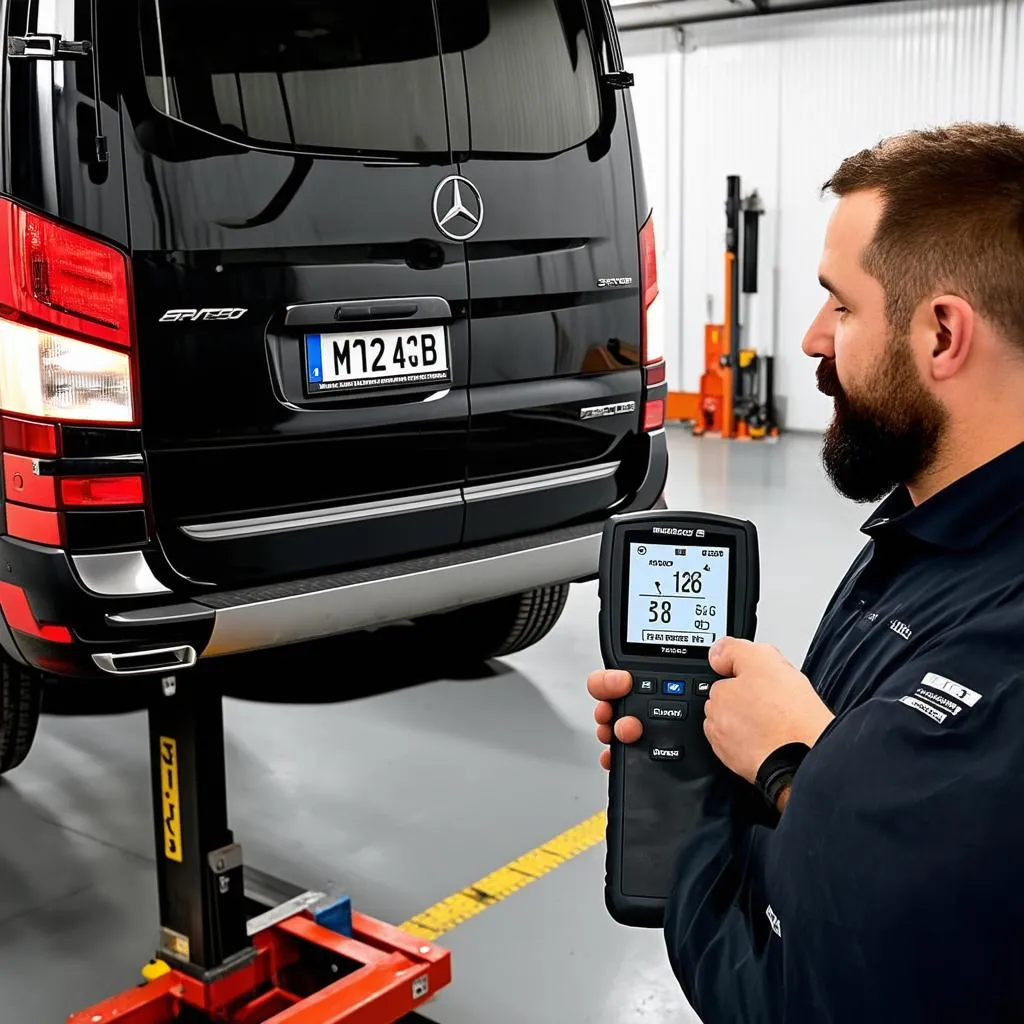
(21, 699)
(497, 628)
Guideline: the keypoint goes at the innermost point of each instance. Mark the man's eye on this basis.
(841, 309)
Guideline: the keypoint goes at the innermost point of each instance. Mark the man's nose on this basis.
(819, 341)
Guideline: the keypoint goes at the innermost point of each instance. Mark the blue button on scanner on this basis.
(677, 689)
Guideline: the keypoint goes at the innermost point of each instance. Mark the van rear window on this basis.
(324, 75)
(299, 75)
(529, 70)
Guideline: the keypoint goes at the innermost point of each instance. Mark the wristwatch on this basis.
(777, 771)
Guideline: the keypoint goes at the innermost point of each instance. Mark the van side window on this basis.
(530, 73)
(305, 75)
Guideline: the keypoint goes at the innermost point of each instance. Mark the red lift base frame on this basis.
(301, 962)
(387, 974)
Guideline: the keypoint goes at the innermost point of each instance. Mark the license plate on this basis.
(377, 359)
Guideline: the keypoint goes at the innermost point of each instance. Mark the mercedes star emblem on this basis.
(458, 208)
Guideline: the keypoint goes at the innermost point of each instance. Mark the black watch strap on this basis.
(777, 771)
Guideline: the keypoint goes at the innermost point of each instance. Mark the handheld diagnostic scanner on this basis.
(671, 584)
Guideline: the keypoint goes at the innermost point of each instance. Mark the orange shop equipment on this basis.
(736, 397)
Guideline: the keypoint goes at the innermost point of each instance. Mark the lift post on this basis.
(312, 960)
(198, 865)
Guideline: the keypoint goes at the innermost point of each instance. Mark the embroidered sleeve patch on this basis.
(939, 697)
(953, 689)
(926, 709)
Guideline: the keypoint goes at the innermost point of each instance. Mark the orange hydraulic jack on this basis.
(713, 414)
(730, 401)
(311, 960)
(715, 409)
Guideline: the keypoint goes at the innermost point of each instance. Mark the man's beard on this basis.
(889, 434)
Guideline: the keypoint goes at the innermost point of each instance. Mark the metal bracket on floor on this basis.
(310, 959)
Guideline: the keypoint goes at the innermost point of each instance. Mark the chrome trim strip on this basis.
(162, 615)
(544, 482)
(180, 656)
(238, 528)
(285, 620)
(117, 574)
(321, 517)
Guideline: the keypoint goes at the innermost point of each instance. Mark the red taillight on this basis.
(65, 323)
(648, 263)
(655, 374)
(37, 503)
(23, 484)
(66, 357)
(33, 524)
(29, 438)
(652, 338)
(654, 414)
(61, 278)
(102, 490)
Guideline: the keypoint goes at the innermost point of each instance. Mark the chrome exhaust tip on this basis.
(148, 662)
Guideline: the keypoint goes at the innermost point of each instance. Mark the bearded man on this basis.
(885, 885)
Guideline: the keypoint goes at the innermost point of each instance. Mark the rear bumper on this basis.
(167, 636)
(265, 617)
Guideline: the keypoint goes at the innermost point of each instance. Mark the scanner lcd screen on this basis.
(678, 595)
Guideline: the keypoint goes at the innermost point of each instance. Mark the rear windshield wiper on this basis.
(47, 46)
(616, 77)
(53, 46)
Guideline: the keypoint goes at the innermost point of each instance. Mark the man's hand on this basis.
(762, 703)
(605, 686)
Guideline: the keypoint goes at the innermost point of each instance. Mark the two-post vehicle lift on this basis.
(310, 960)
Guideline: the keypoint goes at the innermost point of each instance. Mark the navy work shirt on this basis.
(891, 889)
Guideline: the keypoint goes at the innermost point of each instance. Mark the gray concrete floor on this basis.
(330, 789)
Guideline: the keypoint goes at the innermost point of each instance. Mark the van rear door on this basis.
(302, 325)
(554, 280)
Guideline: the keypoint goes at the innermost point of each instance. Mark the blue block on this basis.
(336, 916)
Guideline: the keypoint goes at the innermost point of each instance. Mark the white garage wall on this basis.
(780, 101)
(656, 97)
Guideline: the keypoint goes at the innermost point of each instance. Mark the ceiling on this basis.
(650, 13)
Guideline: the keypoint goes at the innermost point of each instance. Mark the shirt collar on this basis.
(962, 515)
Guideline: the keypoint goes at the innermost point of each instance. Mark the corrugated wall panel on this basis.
(731, 124)
(657, 99)
(856, 79)
(1013, 57)
(780, 101)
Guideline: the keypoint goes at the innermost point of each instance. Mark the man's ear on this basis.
(950, 327)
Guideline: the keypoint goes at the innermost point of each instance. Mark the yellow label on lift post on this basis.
(171, 802)
(175, 943)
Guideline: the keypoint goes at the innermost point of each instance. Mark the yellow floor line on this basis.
(461, 906)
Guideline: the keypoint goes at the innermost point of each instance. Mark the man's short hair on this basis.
(952, 220)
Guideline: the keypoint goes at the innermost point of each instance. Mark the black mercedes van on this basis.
(314, 316)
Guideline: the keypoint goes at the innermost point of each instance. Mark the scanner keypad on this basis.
(669, 709)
